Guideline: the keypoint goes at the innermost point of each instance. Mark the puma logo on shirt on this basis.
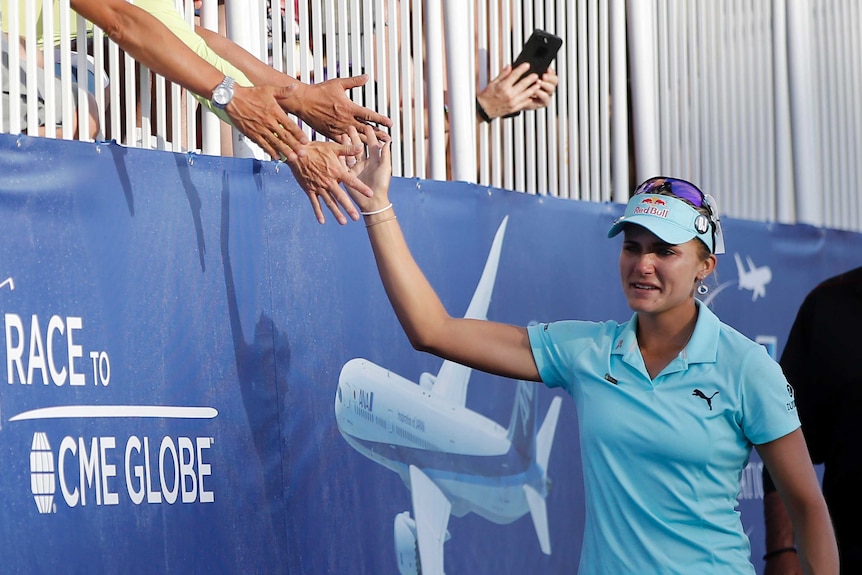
(703, 396)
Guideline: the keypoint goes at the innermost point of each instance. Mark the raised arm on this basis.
(488, 346)
(253, 110)
(793, 473)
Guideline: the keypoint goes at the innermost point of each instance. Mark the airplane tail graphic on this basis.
(478, 308)
(535, 445)
(451, 380)
(539, 515)
(535, 499)
(545, 437)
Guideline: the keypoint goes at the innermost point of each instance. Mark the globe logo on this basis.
(42, 480)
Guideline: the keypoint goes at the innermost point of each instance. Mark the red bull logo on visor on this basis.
(652, 207)
(654, 201)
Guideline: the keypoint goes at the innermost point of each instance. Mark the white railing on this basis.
(755, 100)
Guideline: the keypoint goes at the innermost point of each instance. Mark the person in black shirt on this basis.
(820, 361)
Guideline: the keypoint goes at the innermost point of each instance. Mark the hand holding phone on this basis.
(540, 50)
(505, 97)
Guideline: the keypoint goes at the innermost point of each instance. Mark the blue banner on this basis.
(201, 378)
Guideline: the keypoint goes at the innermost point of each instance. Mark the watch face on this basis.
(221, 96)
(223, 93)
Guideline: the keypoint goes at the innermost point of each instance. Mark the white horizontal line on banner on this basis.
(99, 411)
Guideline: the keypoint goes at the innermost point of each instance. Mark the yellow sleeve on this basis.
(167, 14)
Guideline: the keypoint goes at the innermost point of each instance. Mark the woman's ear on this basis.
(707, 267)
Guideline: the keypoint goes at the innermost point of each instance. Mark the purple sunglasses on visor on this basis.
(687, 191)
(679, 188)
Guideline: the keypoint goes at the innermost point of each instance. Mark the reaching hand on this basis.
(255, 112)
(508, 93)
(328, 110)
(320, 169)
(372, 169)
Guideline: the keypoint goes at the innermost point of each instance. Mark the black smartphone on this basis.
(540, 50)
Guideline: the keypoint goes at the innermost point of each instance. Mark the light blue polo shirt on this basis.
(662, 458)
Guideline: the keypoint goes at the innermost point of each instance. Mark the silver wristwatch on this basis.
(223, 93)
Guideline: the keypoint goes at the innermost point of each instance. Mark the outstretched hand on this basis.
(255, 112)
(328, 110)
(372, 169)
(320, 171)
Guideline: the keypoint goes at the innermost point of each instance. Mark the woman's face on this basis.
(658, 276)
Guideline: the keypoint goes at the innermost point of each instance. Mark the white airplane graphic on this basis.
(754, 279)
(454, 460)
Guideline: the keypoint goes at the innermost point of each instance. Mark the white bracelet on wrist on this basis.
(380, 211)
